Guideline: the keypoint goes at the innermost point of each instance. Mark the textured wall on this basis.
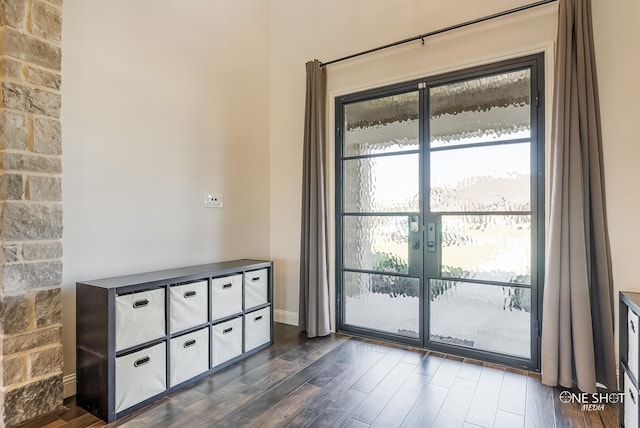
(31, 216)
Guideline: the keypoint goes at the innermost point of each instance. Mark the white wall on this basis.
(617, 42)
(162, 103)
(301, 31)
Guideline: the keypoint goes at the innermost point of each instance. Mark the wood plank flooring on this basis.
(342, 381)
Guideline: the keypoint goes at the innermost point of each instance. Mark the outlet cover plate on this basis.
(212, 201)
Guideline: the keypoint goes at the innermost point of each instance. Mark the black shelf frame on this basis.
(95, 329)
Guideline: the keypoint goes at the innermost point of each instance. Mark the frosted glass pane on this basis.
(490, 178)
(482, 247)
(480, 316)
(382, 184)
(382, 302)
(376, 243)
(490, 108)
(382, 125)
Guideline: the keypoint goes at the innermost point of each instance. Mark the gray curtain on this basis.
(577, 326)
(313, 315)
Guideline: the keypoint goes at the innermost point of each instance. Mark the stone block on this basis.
(30, 49)
(45, 188)
(48, 307)
(46, 361)
(11, 68)
(11, 187)
(29, 340)
(42, 251)
(46, 21)
(13, 130)
(13, 370)
(13, 13)
(47, 137)
(32, 400)
(27, 276)
(31, 221)
(10, 253)
(14, 316)
(31, 100)
(31, 163)
(44, 78)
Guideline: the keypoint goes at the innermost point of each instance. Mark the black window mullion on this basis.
(481, 144)
(378, 272)
(381, 155)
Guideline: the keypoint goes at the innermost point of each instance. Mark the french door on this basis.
(439, 212)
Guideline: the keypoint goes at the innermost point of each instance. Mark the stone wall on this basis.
(30, 209)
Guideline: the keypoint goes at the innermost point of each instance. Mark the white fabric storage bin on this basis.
(188, 356)
(226, 296)
(139, 317)
(140, 375)
(226, 341)
(255, 288)
(630, 403)
(257, 328)
(188, 305)
(633, 330)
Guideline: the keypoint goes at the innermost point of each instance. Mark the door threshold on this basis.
(389, 344)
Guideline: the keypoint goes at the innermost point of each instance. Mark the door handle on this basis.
(414, 228)
(414, 238)
(431, 237)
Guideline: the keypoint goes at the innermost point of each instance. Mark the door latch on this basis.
(431, 237)
(414, 225)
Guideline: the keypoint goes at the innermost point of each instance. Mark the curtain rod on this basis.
(443, 30)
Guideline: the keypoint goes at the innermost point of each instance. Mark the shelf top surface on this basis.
(631, 299)
(178, 274)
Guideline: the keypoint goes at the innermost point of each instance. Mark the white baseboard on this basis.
(69, 385)
(285, 317)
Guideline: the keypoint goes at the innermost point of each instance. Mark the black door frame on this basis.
(536, 65)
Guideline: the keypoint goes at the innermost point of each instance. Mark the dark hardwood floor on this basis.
(342, 381)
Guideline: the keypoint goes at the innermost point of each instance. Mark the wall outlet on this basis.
(212, 201)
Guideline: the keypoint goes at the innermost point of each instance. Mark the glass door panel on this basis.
(382, 184)
(380, 169)
(487, 247)
(376, 243)
(438, 221)
(382, 125)
(480, 195)
(481, 316)
(488, 108)
(484, 178)
(384, 303)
